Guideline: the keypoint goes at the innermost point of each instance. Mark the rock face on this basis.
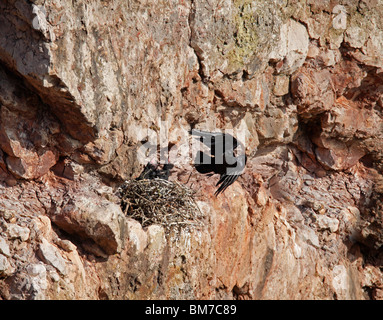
(91, 91)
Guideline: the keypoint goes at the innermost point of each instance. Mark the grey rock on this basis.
(4, 264)
(293, 46)
(94, 218)
(51, 255)
(324, 222)
(37, 280)
(15, 231)
(4, 247)
(309, 236)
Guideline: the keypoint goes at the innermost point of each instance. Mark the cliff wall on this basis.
(89, 89)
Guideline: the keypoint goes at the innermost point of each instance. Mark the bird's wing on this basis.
(203, 163)
(205, 134)
(225, 140)
(232, 174)
(224, 182)
(208, 138)
(203, 158)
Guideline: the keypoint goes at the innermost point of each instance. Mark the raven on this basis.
(152, 171)
(227, 157)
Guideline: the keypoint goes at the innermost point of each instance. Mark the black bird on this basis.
(152, 170)
(227, 157)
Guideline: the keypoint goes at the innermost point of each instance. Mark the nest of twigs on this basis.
(159, 201)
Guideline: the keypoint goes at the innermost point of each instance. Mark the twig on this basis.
(160, 201)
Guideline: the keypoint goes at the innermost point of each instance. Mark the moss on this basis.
(245, 35)
(254, 23)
